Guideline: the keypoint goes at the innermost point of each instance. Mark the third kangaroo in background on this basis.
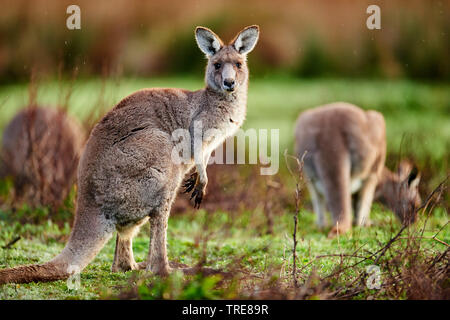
(344, 165)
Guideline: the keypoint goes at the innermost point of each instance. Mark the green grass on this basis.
(416, 113)
(228, 238)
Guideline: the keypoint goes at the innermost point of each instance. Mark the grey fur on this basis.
(126, 174)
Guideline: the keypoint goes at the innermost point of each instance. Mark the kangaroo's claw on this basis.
(189, 184)
(198, 197)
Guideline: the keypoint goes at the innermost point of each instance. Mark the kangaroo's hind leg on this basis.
(123, 256)
(158, 261)
(336, 183)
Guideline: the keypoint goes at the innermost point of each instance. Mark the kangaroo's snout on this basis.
(229, 77)
(228, 84)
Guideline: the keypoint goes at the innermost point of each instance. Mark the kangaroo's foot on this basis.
(339, 229)
(162, 270)
(368, 223)
(123, 267)
(142, 265)
(365, 223)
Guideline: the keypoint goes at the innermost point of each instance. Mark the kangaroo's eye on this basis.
(217, 65)
(238, 65)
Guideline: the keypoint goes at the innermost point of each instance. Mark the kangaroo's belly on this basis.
(355, 186)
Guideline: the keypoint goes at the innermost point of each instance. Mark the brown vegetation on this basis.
(305, 38)
(40, 152)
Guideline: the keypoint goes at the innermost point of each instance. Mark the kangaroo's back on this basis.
(340, 129)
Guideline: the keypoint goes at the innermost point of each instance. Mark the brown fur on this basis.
(40, 151)
(346, 150)
(399, 191)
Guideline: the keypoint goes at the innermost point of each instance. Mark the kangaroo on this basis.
(40, 151)
(126, 174)
(345, 155)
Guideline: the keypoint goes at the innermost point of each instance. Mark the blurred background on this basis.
(154, 38)
(309, 53)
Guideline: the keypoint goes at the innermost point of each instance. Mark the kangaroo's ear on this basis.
(404, 169)
(413, 178)
(246, 40)
(207, 41)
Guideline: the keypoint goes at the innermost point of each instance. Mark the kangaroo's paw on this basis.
(338, 230)
(162, 270)
(124, 267)
(197, 188)
(190, 183)
(197, 195)
(367, 223)
(142, 265)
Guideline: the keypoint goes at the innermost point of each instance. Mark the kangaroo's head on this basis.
(226, 70)
(400, 191)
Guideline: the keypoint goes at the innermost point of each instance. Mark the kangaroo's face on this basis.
(401, 193)
(226, 70)
(408, 195)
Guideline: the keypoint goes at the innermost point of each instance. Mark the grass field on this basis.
(417, 114)
(418, 127)
(261, 254)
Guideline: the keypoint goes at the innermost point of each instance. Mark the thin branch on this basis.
(11, 243)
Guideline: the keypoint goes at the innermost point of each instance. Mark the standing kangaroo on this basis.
(345, 154)
(126, 174)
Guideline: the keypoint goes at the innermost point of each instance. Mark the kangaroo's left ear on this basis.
(246, 40)
(414, 178)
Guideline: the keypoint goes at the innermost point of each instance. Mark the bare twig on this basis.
(439, 188)
(11, 243)
(297, 208)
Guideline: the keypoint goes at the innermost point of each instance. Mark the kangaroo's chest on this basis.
(223, 124)
(217, 135)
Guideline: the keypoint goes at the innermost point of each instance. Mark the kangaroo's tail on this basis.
(89, 234)
(34, 273)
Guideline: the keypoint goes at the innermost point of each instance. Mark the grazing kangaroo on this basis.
(126, 174)
(345, 154)
(40, 151)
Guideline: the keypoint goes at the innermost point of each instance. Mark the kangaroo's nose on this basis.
(229, 84)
